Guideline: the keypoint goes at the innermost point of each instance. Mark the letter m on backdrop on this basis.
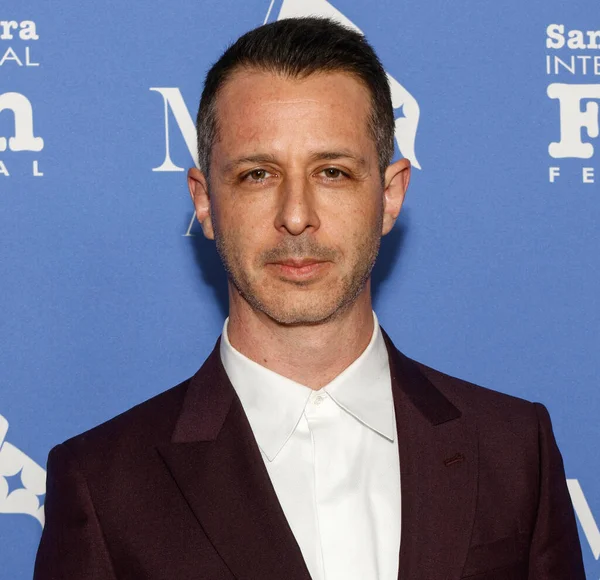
(174, 102)
(407, 109)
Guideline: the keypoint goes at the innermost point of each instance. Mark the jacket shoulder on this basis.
(472, 399)
(143, 426)
(502, 421)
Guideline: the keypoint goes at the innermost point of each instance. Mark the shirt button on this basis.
(318, 400)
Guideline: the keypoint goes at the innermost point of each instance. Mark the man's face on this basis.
(296, 198)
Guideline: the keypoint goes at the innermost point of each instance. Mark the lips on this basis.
(299, 269)
(298, 263)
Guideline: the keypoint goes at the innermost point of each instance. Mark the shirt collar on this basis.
(274, 404)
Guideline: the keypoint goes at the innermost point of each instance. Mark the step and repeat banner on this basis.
(110, 294)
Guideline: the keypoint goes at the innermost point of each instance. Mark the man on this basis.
(307, 446)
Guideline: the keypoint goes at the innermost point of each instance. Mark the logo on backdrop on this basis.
(16, 130)
(20, 54)
(406, 108)
(573, 62)
(585, 517)
(22, 480)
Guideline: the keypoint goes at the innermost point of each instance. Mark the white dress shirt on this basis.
(332, 456)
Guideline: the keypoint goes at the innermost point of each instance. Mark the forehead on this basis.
(256, 108)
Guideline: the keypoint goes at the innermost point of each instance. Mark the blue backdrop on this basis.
(110, 294)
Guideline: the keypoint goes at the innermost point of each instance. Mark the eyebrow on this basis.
(259, 158)
(314, 156)
(339, 154)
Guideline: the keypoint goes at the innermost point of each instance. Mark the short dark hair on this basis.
(298, 47)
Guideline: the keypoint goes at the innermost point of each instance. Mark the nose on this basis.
(297, 210)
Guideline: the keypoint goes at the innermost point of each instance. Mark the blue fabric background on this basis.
(492, 273)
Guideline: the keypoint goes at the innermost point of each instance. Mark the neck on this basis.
(312, 355)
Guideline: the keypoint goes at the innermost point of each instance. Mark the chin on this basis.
(296, 305)
(294, 311)
(296, 318)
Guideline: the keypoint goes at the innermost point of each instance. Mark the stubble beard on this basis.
(314, 307)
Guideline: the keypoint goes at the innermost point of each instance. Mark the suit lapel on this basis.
(215, 461)
(438, 472)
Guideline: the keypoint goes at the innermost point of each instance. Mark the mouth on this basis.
(299, 269)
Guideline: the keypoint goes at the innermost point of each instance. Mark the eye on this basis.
(333, 173)
(257, 175)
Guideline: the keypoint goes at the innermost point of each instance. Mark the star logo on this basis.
(22, 480)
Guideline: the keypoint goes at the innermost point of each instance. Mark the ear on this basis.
(396, 179)
(198, 186)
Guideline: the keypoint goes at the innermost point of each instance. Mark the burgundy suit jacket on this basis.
(176, 489)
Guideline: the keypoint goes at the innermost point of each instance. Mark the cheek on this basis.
(245, 230)
(356, 225)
